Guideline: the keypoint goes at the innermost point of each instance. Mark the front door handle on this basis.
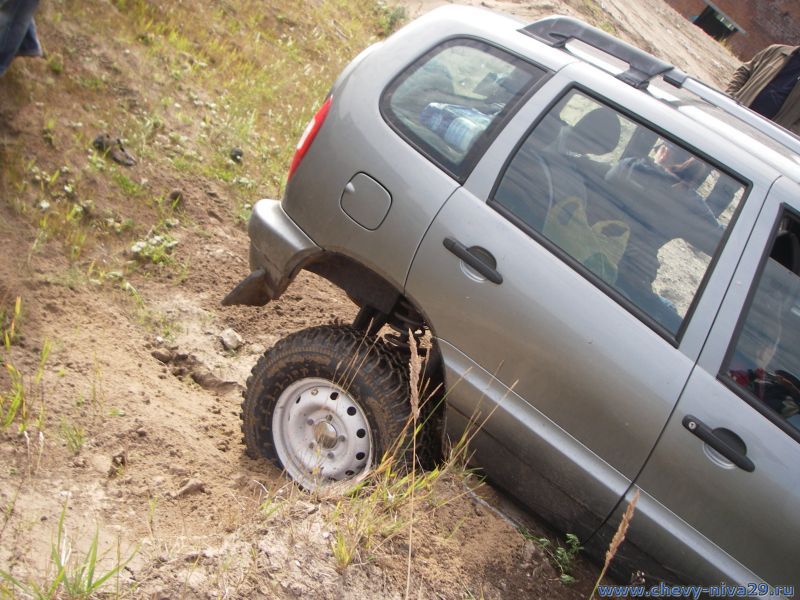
(725, 445)
(478, 260)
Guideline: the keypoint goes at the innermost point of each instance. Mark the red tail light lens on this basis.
(309, 134)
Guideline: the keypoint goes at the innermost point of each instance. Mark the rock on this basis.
(161, 355)
(141, 432)
(176, 198)
(114, 149)
(531, 552)
(193, 486)
(100, 463)
(231, 340)
(208, 381)
(118, 462)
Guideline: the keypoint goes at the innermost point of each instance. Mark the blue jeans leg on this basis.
(16, 29)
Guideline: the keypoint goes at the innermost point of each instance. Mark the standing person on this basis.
(769, 84)
(17, 31)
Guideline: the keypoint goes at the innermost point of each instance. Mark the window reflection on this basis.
(641, 213)
(766, 360)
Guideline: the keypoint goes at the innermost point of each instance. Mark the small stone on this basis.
(118, 462)
(161, 355)
(236, 155)
(192, 486)
(176, 198)
(100, 463)
(231, 340)
(141, 432)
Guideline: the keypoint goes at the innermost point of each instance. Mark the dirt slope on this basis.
(132, 435)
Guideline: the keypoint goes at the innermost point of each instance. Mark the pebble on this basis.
(231, 340)
(163, 356)
(192, 486)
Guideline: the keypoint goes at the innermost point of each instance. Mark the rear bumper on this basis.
(278, 249)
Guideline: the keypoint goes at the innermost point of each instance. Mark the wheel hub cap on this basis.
(326, 435)
(321, 434)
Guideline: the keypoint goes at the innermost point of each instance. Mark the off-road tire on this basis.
(378, 384)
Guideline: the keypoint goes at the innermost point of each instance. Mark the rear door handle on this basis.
(477, 258)
(725, 445)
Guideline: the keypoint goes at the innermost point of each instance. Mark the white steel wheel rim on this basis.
(321, 434)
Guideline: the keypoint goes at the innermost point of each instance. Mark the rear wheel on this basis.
(325, 404)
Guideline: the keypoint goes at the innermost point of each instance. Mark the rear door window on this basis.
(636, 212)
(452, 102)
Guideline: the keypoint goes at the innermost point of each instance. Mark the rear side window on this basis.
(451, 103)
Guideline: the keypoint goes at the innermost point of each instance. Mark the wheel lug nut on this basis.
(342, 438)
(314, 392)
(329, 418)
(311, 446)
(310, 422)
(331, 455)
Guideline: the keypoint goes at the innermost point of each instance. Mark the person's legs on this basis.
(16, 19)
(30, 43)
(721, 195)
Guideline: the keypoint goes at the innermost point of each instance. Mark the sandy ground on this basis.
(161, 475)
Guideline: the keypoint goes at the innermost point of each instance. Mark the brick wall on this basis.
(765, 22)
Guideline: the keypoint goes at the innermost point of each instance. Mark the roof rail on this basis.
(732, 107)
(557, 31)
(643, 67)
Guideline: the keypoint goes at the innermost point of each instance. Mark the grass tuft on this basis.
(69, 574)
(562, 557)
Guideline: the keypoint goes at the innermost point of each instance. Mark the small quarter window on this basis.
(451, 102)
(765, 361)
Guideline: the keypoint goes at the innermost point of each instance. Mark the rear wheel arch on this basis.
(382, 304)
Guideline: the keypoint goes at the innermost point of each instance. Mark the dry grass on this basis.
(616, 541)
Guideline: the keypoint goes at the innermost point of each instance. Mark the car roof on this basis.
(573, 40)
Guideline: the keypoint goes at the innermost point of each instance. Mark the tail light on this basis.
(308, 135)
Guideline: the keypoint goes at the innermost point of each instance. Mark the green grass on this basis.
(17, 394)
(207, 78)
(561, 556)
(70, 574)
(126, 184)
(74, 436)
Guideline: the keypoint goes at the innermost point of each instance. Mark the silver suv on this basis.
(605, 256)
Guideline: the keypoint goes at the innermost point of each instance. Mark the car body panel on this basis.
(531, 456)
(696, 483)
(572, 353)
